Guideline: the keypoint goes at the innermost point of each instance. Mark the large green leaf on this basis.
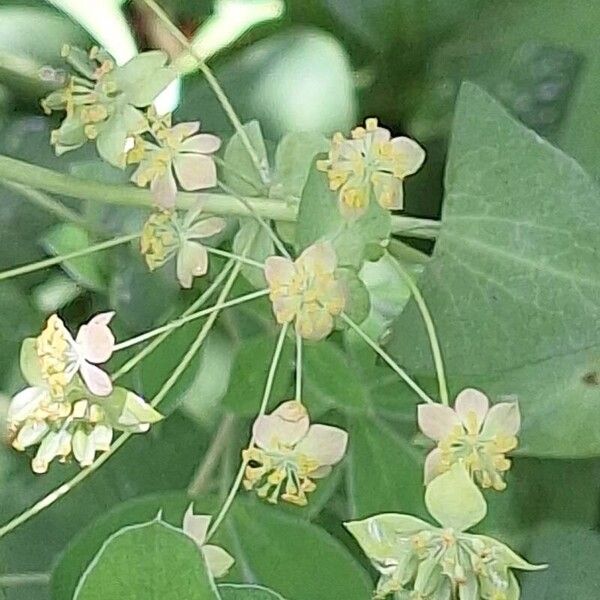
(151, 561)
(232, 591)
(514, 282)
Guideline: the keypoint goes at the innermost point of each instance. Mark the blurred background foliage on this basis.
(294, 65)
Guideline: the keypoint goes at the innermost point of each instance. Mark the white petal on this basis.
(432, 465)
(30, 434)
(195, 171)
(471, 402)
(279, 271)
(218, 561)
(96, 380)
(324, 443)
(203, 143)
(185, 129)
(413, 155)
(436, 421)
(206, 228)
(84, 449)
(196, 526)
(164, 190)
(102, 437)
(271, 432)
(192, 261)
(25, 403)
(503, 418)
(318, 258)
(95, 339)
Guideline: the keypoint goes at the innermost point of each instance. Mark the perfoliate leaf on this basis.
(454, 500)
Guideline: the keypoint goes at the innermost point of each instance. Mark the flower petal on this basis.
(324, 443)
(203, 143)
(205, 228)
(471, 402)
(95, 339)
(388, 191)
(185, 129)
(196, 526)
(218, 561)
(432, 466)
(286, 426)
(313, 322)
(30, 434)
(436, 421)
(192, 261)
(503, 418)
(318, 259)
(164, 189)
(286, 308)
(84, 448)
(96, 380)
(25, 403)
(279, 271)
(411, 156)
(195, 171)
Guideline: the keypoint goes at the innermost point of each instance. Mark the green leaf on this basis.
(234, 591)
(454, 500)
(240, 171)
(319, 218)
(127, 411)
(30, 362)
(151, 560)
(294, 160)
(385, 472)
(358, 301)
(257, 244)
(249, 374)
(514, 282)
(86, 270)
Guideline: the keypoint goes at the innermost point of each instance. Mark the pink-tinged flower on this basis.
(182, 155)
(306, 290)
(62, 357)
(217, 560)
(473, 433)
(289, 453)
(370, 164)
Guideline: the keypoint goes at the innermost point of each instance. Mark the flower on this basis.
(288, 453)
(61, 357)
(306, 290)
(180, 151)
(165, 235)
(471, 432)
(418, 560)
(370, 163)
(217, 560)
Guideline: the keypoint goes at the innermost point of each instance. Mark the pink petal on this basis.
(412, 155)
(279, 271)
(206, 228)
(471, 401)
(192, 261)
(164, 190)
(318, 258)
(203, 143)
(96, 339)
(314, 322)
(436, 421)
(432, 465)
(195, 171)
(186, 129)
(285, 426)
(96, 380)
(196, 526)
(325, 444)
(503, 419)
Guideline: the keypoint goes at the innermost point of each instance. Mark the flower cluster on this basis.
(178, 150)
(306, 290)
(289, 453)
(418, 560)
(71, 406)
(102, 100)
(473, 433)
(371, 163)
(165, 235)
(217, 560)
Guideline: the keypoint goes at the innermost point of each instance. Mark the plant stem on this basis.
(215, 86)
(237, 257)
(191, 317)
(389, 360)
(49, 262)
(263, 409)
(431, 332)
(298, 368)
(53, 182)
(24, 579)
(65, 488)
(133, 361)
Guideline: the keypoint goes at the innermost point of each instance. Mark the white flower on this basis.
(218, 561)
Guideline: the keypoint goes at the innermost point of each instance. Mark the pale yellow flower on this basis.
(370, 164)
(473, 433)
(306, 290)
(290, 453)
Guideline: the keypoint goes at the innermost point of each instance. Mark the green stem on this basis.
(216, 88)
(138, 339)
(65, 488)
(53, 182)
(236, 257)
(431, 332)
(263, 409)
(24, 579)
(298, 368)
(389, 360)
(49, 262)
